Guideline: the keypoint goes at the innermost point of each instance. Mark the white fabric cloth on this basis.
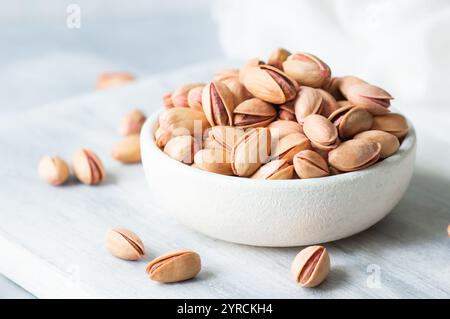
(402, 45)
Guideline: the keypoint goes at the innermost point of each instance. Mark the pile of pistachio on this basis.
(283, 119)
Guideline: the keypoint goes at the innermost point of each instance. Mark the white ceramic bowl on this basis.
(278, 213)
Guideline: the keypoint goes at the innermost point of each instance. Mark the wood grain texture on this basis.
(51, 239)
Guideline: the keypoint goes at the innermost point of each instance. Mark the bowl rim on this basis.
(147, 141)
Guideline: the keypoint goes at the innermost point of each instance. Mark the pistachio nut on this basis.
(174, 266)
(226, 75)
(132, 123)
(213, 160)
(218, 104)
(281, 128)
(351, 120)
(226, 136)
(309, 164)
(124, 244)
(354, 155)
(287, 112)
(309, 101)
(254, 113)
(321, 132)
(182, 148)
(277, 58)
(251, 151)
(113, 79)
(389, 143)
(179, 96)
(167, 100)
(194, 98)
(290, 145)
(191, 122)
(270, 84)
(329, 104)
(393, 123)
(307, 69)
(344, 83)
(239, 91)
(248, 65)
(311, 266)
(127, 150)
(277, 169)
(53, 170)
(88, 167)
(372, 98)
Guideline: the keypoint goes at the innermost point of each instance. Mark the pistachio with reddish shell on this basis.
(372, 98)
(181, 118)
(167, 100)
(127, 150)
(351, 121)
(389, 143)
(113, 79)
(277, 169)
(254, 113)
(132, 122)
(277, 58)
(354, 155)
(290, 145)
(270, 84)
(281, 128)
(321, 132)
(226, 74)
(329, 104)
(286, 112)
(393, 123)
(307, 69)
(87, 167)
(179, 96)
(218, 104)
(311, 266)
(248, 65)
(53, 170)
(251, 151)
(124, 244)
(344, 83)
(194, 98)
(226, 136)
(214, 160)
(174, 266)
(238, 90)
(309, 164)
(182, 148)
(309, 101)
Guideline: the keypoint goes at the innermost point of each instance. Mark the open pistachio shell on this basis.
(354, 121)
(182, 148)
(281, 128)
(354, 155)
(182, 118)
(218, 103)
(226, 136)
(309, 164)
(254, 113)
(290, 145)
(307, 69)
(277, 169)
(213, 160)
(309, 101)
(311, 266)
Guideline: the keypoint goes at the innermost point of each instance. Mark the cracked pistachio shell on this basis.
(182, 148)
(218, 103)
(53, 170)
(311, 266)
(329, 104)
(174, 266)
(307, 69)
(226, 75)
(113, 79)
(277, 58)
(226, 136)
(310, 164)
(277, 169)
(238, 90)
(124, 244)
(372, 98)
(389, 143)
(87, 167)
(309, 101)
(281, 128)
(354, 155)
(287, 112)
(320, 130)
(179, 97)
(290, 145)
(128, 150)
(213, 160)
(132, 123)
(270, 84)
(248, 65)
(251, 151)
(351, 121)
(393, 123)
(182, 118)
(162, 136)
(254, 113)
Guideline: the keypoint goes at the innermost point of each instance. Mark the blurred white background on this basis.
(402, 45)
